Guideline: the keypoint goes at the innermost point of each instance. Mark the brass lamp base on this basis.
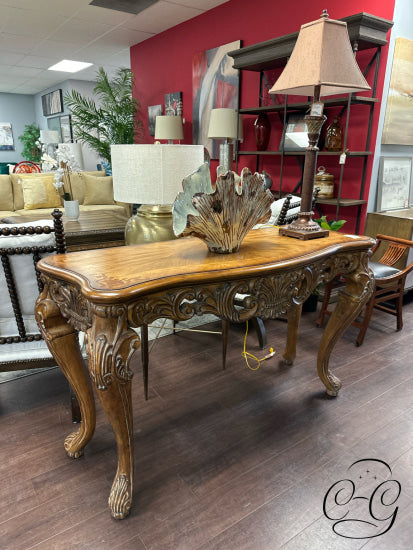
(303, 228)
(151, 223)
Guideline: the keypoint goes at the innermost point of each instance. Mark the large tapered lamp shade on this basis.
(322, 63)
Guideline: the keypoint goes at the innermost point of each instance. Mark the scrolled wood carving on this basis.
(110, 350)
(73, 306)
(267, 296)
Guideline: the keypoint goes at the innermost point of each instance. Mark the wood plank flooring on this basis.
(224, 460)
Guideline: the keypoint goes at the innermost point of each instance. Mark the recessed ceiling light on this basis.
(68, 66)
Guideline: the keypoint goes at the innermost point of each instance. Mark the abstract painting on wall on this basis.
(398, 122)
(6, 137)
(215, 84)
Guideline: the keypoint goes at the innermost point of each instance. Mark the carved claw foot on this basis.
(73, 445)
(120, 498)
(334, 385)
(285, 362)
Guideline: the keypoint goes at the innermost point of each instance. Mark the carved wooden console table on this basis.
(105, 292)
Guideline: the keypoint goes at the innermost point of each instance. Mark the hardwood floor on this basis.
(225, 460)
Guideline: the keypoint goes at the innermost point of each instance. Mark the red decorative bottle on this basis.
(262, 132)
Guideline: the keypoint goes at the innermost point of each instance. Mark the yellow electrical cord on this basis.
(245, 354)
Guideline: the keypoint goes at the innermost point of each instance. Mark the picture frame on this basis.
(295, 135)
(53, 123)
(173, 104)
(153, 112)
(66, 128)
(62, 125)
(52, 103)
(6, 137)
(394, 183)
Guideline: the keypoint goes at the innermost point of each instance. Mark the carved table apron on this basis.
(106, 292)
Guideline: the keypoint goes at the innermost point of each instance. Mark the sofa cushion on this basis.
(39, 192)
(18, 189)
(98, 190)
(78, 183)
(6, 193)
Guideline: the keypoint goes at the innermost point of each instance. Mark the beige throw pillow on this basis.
(39, 192)
(18, 189)
(6, 193)
(98, 189)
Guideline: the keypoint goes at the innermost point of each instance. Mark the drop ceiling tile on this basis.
(30, 22)
(161, 16)
(17, 44)
(36, 61)
(78, 31)
(56, 48)
(6, 71)
(10, 58)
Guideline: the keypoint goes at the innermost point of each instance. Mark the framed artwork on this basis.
(173, 104)
(62, 125)
(295, 134)
(393, 189)
(153, 112)
(52, 103)
(215, 84)
(66, 128)
(398, 121)
(53, 123)
(6, 137)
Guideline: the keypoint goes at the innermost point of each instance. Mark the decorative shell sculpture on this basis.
(221, 215)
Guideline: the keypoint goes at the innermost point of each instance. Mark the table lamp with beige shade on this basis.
(169, 127)
(321, 64)
(223, 125)
(151, 175)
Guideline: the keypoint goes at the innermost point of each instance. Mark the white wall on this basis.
(403, 27)
(18, 109)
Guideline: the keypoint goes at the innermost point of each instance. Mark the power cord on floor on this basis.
(246, 355)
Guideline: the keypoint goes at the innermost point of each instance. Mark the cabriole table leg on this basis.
(358, 289)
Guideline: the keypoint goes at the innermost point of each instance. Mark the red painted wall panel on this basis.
(163, 64)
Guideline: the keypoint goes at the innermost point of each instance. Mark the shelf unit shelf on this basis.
(366, 32)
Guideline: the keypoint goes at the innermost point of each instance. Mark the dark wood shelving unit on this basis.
(366, 32)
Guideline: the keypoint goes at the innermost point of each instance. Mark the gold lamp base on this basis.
(303, 228)
(151, 223)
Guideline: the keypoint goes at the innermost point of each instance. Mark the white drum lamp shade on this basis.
(152, 174)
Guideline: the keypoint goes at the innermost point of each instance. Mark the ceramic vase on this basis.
(72, 210)
(262, 132)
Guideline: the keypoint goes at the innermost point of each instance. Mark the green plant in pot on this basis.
(310, 305)
(30, 138)
(111, 119)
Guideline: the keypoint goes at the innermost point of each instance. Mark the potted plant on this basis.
(310, 305)
(30, 139)
(112, 118)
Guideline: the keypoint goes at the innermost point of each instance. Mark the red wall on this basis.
(163, 64)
